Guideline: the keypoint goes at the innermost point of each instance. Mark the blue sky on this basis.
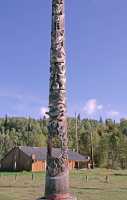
(96, 41)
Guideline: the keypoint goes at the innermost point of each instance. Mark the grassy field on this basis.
(23, 187)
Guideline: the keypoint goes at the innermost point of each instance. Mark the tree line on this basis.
(104, 141)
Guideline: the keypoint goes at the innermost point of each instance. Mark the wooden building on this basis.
(34, 159)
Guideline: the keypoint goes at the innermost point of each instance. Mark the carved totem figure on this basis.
(57, 127)
(57, 183)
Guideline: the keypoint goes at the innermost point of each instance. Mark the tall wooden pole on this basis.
(76, 133)
(57, 173)
(92, 152)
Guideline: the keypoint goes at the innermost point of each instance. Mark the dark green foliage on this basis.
(105, 141)
(21, 132)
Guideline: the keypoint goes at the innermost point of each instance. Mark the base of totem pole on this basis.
(59, 197)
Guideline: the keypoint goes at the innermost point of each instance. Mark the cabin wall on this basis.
(16, 160)
(24, 162)
(38, 166)
(81, 164)
(9, 163)
(71, 164)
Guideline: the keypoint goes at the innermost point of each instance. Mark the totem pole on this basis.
(57, 174)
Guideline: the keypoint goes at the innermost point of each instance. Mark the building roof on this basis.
(41, 153)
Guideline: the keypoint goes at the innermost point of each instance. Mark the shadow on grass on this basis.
(100, 189)
(120, 174)
(80, 188)
(15, 186)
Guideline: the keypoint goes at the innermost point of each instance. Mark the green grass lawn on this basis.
(23, 187)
